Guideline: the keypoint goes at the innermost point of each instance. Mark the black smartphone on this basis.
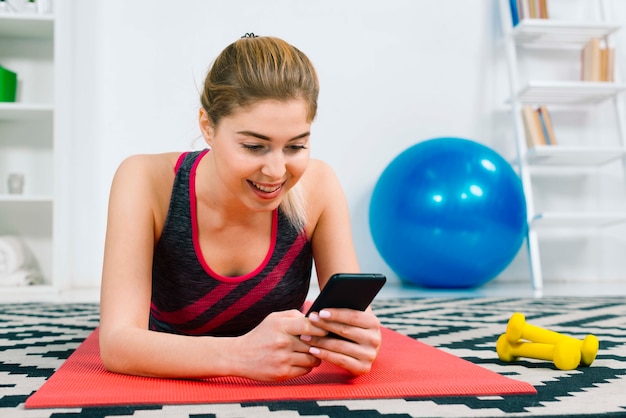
(349, 290)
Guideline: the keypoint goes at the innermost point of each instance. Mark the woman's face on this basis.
(260, 151)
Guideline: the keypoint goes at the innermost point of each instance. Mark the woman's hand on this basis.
(362, 331)
(273, 350)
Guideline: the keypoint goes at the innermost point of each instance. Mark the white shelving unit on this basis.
(33, 141)
(545, 34)
(568, 93)
(580, 220)
(573, 156)
(16, 25)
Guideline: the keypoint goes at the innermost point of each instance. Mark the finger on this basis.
(294, 313)
(306, 360)
(301, 325)
(354, 365)
(360, 319)
(339, 329)
(346, 347)
(302, 345)
(290, 373)
(297, 372)
(357, 326)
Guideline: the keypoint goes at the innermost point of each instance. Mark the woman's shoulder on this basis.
(321, 185)
(142, 184)
(150, 163)
(318, 178)
(142, 172)
(319, 170)
(147, 167)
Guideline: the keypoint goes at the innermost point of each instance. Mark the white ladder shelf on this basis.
(552, 34)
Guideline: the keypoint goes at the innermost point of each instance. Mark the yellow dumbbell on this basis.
(518, 328)
(564, 354)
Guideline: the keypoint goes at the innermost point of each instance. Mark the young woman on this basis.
(208, 254)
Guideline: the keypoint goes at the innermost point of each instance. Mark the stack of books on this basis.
(528, 9)
(598, 61)
(538, 126)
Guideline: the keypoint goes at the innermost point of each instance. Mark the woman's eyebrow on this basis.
(267, 138)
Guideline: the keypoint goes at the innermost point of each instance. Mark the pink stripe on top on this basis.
(196, 240)
(180, 160)
(258, 292)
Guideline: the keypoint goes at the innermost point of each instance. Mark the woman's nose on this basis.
(274, 166)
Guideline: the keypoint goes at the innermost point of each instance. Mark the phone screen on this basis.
(349, 290)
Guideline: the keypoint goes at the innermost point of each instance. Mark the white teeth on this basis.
(264, 188)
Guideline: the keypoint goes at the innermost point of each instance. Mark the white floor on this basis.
(495, 288)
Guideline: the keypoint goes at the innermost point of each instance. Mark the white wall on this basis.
(393, 72)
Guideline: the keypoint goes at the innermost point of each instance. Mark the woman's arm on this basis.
(333, 248)
(137, 209)
(333, 251)
(126, 345)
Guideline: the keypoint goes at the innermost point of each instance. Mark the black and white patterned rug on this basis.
(35, 339)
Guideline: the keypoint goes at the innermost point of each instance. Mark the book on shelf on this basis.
(523, 9)
(538, 126)
(597, 61)
(609, 64)
(532, 126)
(543, 9)
(514, 12)
(546, 125)
(532, 9)
(528, 9)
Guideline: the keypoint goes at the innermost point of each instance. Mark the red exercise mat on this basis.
(405, 368)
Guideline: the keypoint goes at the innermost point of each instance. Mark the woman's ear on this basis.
(206, 126)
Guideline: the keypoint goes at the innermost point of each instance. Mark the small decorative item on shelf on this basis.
(15, 183)
(538, 126)
(598, 61)
(18, 266)
(8, 85)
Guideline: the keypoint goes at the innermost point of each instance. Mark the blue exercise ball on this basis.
(448, 213)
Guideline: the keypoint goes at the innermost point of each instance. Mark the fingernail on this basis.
(314, 317)
(324, 314)
(305, 337)
(315, 351)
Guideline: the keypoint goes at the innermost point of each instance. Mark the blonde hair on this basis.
(253, 69)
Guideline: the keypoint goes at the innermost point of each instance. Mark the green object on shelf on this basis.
(8, 85)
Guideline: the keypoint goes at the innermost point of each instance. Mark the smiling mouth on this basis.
(265, 189)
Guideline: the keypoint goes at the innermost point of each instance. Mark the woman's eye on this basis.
(253, 147)
(295, 148)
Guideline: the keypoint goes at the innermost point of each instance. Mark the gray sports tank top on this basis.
(189, 298)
